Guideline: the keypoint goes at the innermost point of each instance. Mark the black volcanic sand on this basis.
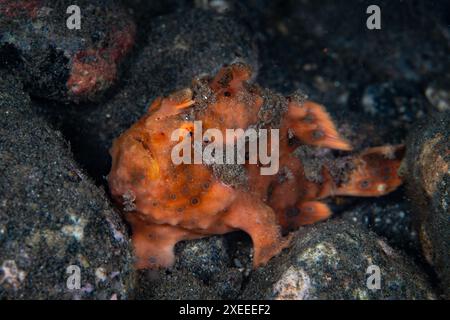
(377, 85)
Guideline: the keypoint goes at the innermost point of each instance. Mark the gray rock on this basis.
(60, 63)
(215, 263)
(330, 261)
(427, 172)
(51, 214)
(204, 258)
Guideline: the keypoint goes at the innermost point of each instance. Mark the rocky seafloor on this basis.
(57, 124)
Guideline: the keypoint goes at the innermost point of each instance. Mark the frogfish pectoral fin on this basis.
(312, 125)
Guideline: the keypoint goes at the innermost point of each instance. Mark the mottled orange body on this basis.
(167, 203)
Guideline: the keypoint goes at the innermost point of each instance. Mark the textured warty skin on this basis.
(166, 203)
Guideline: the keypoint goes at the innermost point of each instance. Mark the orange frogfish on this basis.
(167, 201)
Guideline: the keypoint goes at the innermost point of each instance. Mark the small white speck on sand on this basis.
(11, 274)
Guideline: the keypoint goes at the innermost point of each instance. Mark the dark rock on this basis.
(426, 170)
(205, 257)
(330, 261)
(390, 218)
(215, 263)
(176, 53)
(51, 214)
(60, 63)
